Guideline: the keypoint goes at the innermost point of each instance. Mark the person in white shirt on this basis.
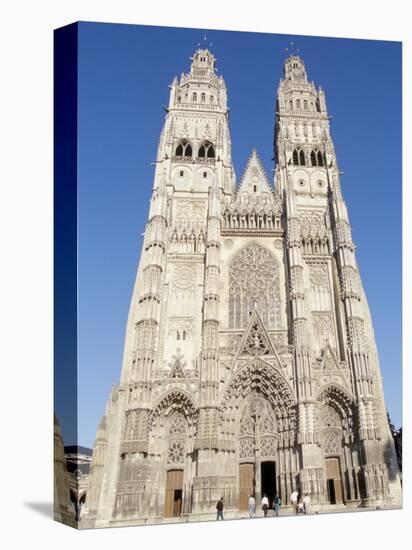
(306, 503)
(294, 500)
(252, 506)
(265, 505)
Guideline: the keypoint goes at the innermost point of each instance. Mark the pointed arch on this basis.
(302, 161)
(295, 157)
(266, 380)
(206, 150)
(176, 400)
(184, 149)
(338, 397)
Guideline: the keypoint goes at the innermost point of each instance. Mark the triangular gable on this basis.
(328, 360)
(177, 370)
(254, 180)
(256, 341)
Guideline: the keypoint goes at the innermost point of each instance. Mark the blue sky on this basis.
(124, 74)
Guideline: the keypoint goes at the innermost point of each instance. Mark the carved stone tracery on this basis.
(176, 439)
(254, 283)
(257, 428)
(313, 233)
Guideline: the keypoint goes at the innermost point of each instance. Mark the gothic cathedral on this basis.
(250, 364)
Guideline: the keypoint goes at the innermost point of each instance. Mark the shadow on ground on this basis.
(43, 508)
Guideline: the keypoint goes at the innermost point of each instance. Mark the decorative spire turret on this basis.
(294, 69)
(203, 63)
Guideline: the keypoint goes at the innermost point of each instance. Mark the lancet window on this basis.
(207, 150)
(298, 157)
(184, 149)
(316, 158)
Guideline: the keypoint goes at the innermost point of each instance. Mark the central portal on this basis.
(268, 480)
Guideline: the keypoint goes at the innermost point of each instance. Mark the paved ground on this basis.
(288, 512)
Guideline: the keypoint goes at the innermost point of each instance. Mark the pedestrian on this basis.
(306, 503)
(265, 505)
(252, 506)
(219, 508)
(294, 500)
(276, 505)
(301, 509)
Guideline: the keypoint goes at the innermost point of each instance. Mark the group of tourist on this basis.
(300, 505)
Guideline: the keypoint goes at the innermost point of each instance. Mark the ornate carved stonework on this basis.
(189, 212)
(177, 439)
(254, 283)
(184, 278)
(313, 233)
(332, 443)
(323, 326)
(318, 276)
(181, 325)
(249, 338)
(257, 429)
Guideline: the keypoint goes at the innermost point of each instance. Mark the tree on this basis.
(397, 439)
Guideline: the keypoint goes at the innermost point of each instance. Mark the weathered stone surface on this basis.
(249, 339)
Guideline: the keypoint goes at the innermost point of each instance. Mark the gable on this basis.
(254, 180)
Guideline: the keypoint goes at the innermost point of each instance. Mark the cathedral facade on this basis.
(250, 364)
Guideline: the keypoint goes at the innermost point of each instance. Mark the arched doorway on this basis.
(334, 425)
(257, 450)
(171, 430)
(176, 438)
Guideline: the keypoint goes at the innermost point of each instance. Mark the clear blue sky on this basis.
(124, 74)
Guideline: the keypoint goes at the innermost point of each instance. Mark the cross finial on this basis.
(205, 42)
(292, 48)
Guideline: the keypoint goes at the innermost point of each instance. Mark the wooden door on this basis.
(334, 480)
(246, 484)
(174, 491)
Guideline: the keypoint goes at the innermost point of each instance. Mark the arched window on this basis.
(203, 97)
(207, 150)
(194, 96)
(305, 104)
(320, 159)
(302, 158)
(291, 105)
(318, 106)
(298, 104)
(254, 281)
(313, 159)
(212, 99)
(295, 157)
(184, 149)
(176, 436)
